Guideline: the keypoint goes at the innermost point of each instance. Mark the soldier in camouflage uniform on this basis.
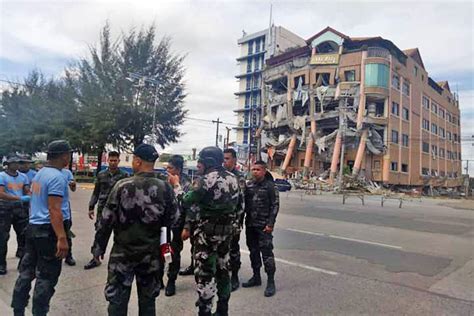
(181, 184)
(230, 163)
(135, 211)
(261, 209)
(216, 196)
(104, 182)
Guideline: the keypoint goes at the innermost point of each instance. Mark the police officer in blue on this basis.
(25, 167)
(72, 186)
(14, 190)
(46, 234)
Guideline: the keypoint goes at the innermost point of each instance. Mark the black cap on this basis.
(59, 147)
(146, 152)
(25, 158)
(12, 159)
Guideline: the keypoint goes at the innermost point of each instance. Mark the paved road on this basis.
(331, 259)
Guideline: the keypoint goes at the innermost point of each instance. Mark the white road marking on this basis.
(300, 265)
(344, 238)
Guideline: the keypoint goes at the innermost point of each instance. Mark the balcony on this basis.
(378, 52)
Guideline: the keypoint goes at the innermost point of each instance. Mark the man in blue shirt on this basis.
(14, 190)
(46, 234)
(72, 186)
(25, 167)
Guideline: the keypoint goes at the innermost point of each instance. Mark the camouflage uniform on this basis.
(234, 254)
(213, 201)
(177, 228)
(261, 209)
(135, 210)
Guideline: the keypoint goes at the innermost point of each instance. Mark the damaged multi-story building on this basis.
(365, 101)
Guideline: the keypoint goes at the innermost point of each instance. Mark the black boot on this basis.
(170, 288)
(222, 308)
(270, 290)
(234, 281)
(162, 284)
(19, 253)
(70, 260)
(3, 269)
(255, 280)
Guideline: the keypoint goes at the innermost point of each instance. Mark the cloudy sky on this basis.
(49, 34)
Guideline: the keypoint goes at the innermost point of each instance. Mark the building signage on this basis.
(324, 59)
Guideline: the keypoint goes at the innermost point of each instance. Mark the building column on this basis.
(360, 118)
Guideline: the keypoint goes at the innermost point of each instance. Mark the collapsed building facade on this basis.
(365, 102)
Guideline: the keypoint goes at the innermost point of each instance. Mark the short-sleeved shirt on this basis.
(14, 185)
(31, 174)
(48, 181)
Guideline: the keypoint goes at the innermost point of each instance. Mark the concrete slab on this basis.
(459, 284)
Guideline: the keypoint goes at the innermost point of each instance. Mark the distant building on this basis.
(397, 125)
(254, 50)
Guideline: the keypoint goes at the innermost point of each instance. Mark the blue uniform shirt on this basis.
(31, 174)
(14, 185)
(48, 181)
(66, 206)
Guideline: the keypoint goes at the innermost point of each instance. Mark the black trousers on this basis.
(16, 216)
(40, 262)
(174, 266)
(260, 245)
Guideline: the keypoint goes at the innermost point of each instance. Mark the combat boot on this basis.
(3, 269)
(170, 288)
(255, 280)
(270, 290)
(234, 281)
(222, 308)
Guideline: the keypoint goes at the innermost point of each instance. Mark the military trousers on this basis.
(40, 262)
(234, 254)
(211, 255)
(260, 245)
(96, 225)
(16, 216)
(123, 268)
(177, 246)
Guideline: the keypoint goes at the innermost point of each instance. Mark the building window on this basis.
(350, 75)
(395, 81)
(404, 167)
(395, 108)
(448, 116)
(441, 153)
(406, 88)
(323, 79)
(426, 103)
(377, 75)
(434, 128)
(426, 124)
(426, 147)
(394, 136)
(250, 51)
(434, 108)
(442, 132)
(455, 137)
(405, 141)
(454, 120)
(434, 150)
(394, 166)
(257, 46)
(434, 172)
(455, 155)
(449, 155)
(406, 114)
(246, 136)
(249, 65)
(415, 71)
(425, 171)
(441, 112)
(448, 136)
(297, 81)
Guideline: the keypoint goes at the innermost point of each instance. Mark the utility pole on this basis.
(217, 131)
(228, 135)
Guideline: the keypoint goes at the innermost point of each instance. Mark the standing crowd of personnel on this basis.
(150, 215)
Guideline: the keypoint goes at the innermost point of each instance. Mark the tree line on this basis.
(107, 97)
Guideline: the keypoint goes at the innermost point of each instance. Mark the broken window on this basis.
(426, 147)
(425, 171)
(349, 75)
(323, 79)
(396, 81)
(404, 167)
(394, 166)
(394, 136)
(395, 108)
(406, 113)
(327, 47)
(434, 150)
(296, 81)
(279, 86)
(434, 172)
(405, 141)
